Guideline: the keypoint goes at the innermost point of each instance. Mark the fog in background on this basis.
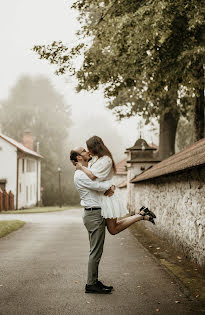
(27, 23)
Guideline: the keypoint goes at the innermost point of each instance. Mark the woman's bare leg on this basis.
(115, 227)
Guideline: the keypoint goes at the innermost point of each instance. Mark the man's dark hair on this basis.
(73, 156)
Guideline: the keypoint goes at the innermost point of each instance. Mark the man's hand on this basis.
(78, 166)
(110, 191)
(73, 162)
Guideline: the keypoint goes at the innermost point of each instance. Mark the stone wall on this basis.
(179, 203)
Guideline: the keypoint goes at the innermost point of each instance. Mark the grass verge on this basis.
(8, 226)
(40, 210)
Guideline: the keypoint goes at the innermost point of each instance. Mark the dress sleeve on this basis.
(102, 167)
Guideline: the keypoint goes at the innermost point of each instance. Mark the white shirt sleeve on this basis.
(102, 167)
(85, 181)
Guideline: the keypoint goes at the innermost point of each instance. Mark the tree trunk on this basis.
(168, 123)
(168, 128)
(199, 107)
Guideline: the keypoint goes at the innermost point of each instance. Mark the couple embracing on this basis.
(95, 168)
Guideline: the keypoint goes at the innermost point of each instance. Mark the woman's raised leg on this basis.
(115, 226)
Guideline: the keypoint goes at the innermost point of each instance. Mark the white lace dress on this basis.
(112, 207)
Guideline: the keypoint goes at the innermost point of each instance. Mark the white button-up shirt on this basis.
(89, 190)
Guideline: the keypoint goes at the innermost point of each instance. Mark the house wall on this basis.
(29, 182)
(8, 166)
(39, 181)
(178, 201)
(119, 178)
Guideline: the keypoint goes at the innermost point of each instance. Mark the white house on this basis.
(20, 170)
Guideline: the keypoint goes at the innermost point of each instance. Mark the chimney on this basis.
(28, 139)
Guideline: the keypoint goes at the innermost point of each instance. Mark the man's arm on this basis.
(85, 181)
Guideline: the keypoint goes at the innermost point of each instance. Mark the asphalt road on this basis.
(43, 270)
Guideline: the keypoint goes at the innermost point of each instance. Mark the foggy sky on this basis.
(26, 23)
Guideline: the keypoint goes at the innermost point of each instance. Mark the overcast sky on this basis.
(25, 23)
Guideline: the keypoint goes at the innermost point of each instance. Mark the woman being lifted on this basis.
(102, 167)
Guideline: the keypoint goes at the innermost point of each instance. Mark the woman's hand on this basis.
(78, 166)
(110, 191)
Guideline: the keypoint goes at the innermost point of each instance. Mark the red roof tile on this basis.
(153, 145)
(20, 146)
(121, 167)
(192, 156)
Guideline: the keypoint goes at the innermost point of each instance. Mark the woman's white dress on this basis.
(112, 207)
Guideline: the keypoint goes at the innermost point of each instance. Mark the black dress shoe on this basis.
(148, 212)
(101, 285)
(94, 288)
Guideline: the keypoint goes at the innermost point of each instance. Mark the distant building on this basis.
(140, 157)
(120, 177)
(20, 170)
(121, 171)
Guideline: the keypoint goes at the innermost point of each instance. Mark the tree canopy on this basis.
(144, 53)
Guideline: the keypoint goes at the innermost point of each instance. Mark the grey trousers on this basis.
(95, 225)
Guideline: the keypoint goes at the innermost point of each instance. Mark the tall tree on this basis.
(185, 134)
(34, 104)
(148, 50)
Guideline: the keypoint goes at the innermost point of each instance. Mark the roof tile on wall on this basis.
(20, 146)
(121, 167)
(192, 156)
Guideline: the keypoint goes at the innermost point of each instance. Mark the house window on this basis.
(26, 193)
(23, 166)
(31, 166)
(2, 184)
(20, 188)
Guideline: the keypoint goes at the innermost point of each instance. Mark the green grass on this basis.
(9, 226)
(40, 210)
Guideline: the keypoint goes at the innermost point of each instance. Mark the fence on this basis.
(6, 200)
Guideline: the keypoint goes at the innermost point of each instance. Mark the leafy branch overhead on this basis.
(60, 55)
(138, 51)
